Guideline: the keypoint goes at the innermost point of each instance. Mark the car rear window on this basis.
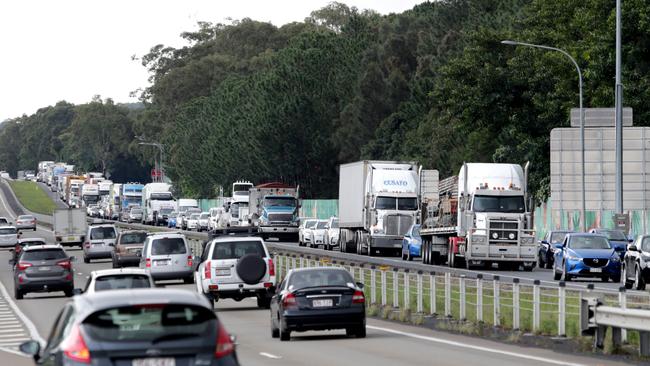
(97, 233)
(133, 238)
(237, 249)
(7, 231)
(25, 217)
(168, 246)
(123, 281)
(28, 243)
(150, 322)
(43, 255)
(316, 278)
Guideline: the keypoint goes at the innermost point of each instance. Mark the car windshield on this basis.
(237, 249)
(194, 217)
(97, 233)
(319, 277)
(416, 230)
(137, 211)
(386, 203)
(558, 236)
(645, 245)
(613, 235)
(589, 242)
(3, 220)
(321, 225)
(7, 231)
(204, 216)
(133, 238)
(121, 281)
(25, 217)
(280, 201)
(168, 246)
(165, 211)
(335, 224)
(149, 322)
(310, 223)
(161, 196)
(43, 255)
(31, 242)
(407, 203)
(507, 204)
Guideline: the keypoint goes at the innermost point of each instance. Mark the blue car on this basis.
(617, 239)
(171, 220)
(586, 255)
(412, 243)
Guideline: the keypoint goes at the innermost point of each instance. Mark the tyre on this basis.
(68, 292)
(549, 263)
(529, 268)
(404, 256)
(263, 302)
(86, 260)
(567, 276)
(188, 280)
(275, 331)
(616, 279)
(251, 268)
(540, 261)
(628, 284)
(639, 281)
(409, 257)
(18, 294)
(285, 335)
(359, 332)
(556, 276)
(114, 262)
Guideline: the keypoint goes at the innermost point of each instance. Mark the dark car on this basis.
(547, 247)
(586, 255)
(617, 239)
(318, 299)
(128, 248)
(23, 243)
(136, 327)
(636, 263)
(43, 268)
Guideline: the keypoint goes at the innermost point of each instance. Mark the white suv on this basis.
(235, 268)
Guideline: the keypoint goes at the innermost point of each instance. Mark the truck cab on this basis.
(274, 209)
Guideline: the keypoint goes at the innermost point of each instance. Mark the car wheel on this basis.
(68, 292)
(18, 294)
(285, 335)
(359, 332)
(275, 331)
(188, 280)
(86, 260)
(403, 255)
(628, 284)
(567, 276)
(114, 262)
(540, 261)
(549, 263)
(639, 281)
(263, 302)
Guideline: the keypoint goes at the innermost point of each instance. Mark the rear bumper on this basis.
(324, 319)
(44, 284)
(124, 259)
(171, 275)
(97, 254)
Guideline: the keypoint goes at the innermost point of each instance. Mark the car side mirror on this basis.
(544, 242)
(77, 291)
(559, 246)
(32, 348)
(632, 248)
(360, 285)
(630, 240)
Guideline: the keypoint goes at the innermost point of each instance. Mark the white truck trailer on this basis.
(70, 226)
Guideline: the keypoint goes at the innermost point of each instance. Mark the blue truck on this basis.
(273, 210)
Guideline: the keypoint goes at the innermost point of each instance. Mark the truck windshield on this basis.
(386, 203)
(161, 196)
(392, 203)
(407, 203)
(241, 189)
(280, 201)
(508, 204)
(91, 199)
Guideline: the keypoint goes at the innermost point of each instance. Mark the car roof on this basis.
(604, 230)
(573, 235)
(230, 239)
(122, 232)
(89, 303)
(7, 227)
(46, 246)
(28, 240)
(314, 269)
(167, 234)
(92, 226)
(114, 271)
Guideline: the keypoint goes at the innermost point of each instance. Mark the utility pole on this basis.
(619, 114)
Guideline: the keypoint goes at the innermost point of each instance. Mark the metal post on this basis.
(497, 306)
(293, 261)
(515, 304)
(622, 302)
(479, 297)
(463, 313)
(619, 114)
(561, 309)
(384, 297)
(407, 289)
(395, 291)
(373, 285)
(536, 306)
(432, 293)
(448, 294)
(286, 264)
(420, 306)
(302, 264)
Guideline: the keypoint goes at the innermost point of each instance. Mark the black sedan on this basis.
(636, 263)
(318, 299)
(547, 247)
(136, 327)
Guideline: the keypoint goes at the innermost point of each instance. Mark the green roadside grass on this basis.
(32, 197)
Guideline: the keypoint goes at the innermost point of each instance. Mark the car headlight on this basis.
(478, 239)
(495, 235)
(574, 258)
(615, 258)
(511, 236)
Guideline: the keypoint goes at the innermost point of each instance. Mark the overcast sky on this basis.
(74, 49)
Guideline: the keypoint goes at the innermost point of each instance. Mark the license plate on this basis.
(154, 362)
(222, 272)
(163, 262)
(44, 268)
(322, 303)
(71, 238)
(596, 270)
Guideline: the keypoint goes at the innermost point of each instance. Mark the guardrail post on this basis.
(462, 299)
(479, 297)
(419, 293)
(279, 264)
(362, 274)
(448, 294)
(644, 344)
(622, 302)
(302, 261)
(433, 296)
(384, 297)
(536, 306)
(496, 302)
(309, 261)
(515, 303)
(561, 309)
(373, 285)
(352, 271)
(286, 265)
(395, 290)
(407, 289)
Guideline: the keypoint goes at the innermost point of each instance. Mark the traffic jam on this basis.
(479, 218)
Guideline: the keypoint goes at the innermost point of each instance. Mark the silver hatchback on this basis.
(8, 236)
(100, 242)
(167, 256)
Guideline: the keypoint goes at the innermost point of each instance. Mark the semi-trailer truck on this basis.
(273, 209)
(481, 218)
(89, 194)
(378, 203)
(155, 198)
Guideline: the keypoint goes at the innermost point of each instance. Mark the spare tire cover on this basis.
(251, 268)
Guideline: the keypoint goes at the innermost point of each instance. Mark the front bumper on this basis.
(386, 242)
(578, 268)
(278, 229)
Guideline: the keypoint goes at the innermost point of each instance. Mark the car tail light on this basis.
(87, 244)
(271, 268)
(189, 261)
(74, 347)
(224, 343)
(65, 264)
(23, 266)
(207, 270)
(289, 301)
(148, 263)
(358, 298)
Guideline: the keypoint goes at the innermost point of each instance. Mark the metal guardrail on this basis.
(596, 318)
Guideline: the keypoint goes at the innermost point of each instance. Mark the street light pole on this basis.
(160, 147)
(582, 117)
(618, 103)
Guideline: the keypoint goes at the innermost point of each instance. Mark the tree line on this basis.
(250, 100)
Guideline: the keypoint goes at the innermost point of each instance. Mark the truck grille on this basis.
(595, 262)
(280, 217)
(503, 230)
(397, 224)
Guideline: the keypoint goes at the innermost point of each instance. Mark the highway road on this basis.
(387, 343)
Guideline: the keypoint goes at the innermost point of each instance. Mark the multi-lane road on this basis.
(387, 343)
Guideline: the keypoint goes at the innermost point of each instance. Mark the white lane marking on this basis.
(28, 323)
(15, 330)
(4, 326)
(477, 348)
(13, 335)
(268, 355)
(17, 353)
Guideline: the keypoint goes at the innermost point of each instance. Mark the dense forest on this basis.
(250, 100)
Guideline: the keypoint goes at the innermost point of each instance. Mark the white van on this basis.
(167, 256)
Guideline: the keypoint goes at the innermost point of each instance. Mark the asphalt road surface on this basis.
(387, 343)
